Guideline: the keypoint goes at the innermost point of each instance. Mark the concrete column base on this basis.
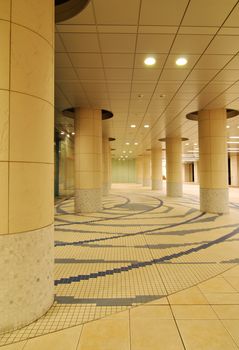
(105, 189)
(26, 275)
(157, 185)
(146, 182)
(174, 189)
(88, 201)
(214, 200)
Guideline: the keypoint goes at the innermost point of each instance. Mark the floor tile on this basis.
(105, 335)
(188, 296)
(222, 298)
(66, 339)
(232, 327)
(190, 312)
(227, 312)
(205, 335)
(150, 335)
(216, 285)
(160, 312)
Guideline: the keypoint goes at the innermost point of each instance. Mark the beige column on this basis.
(188, 175)
(88, 160)
(174, 166)
(196, 171)
(110, 167)
(146, 170)
(213, 161)
(156, 166)
(26, 161)
(105, 166)
(234, 169)
(139, 170)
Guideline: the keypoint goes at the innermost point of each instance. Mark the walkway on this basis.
(143, 248)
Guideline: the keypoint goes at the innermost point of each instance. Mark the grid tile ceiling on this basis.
(100, 64)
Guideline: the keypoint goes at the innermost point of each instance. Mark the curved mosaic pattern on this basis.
(141, 247)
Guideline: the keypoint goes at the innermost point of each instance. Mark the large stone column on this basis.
(174, 166)
(234, 169)
(213, 161)
(110, 167)
(146, 170)
(156, 166)
(88, 160)
(196, 171)
(26, 161)
(105, 166)
(139, 170)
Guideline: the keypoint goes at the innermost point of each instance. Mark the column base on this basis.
(214, 200)
(105, 189)
(26, 275)
(157, 185)
(146, 182)
(88, 201)
(174, 189)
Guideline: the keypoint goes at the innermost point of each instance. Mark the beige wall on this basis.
(123, 171)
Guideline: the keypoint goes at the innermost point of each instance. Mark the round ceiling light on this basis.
(150, 61)
(181, 61)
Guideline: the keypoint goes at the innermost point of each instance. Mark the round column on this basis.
(234, 169)
(105, 166)
(146, 170)
(174, 166)
(156, 165)
(88, 160)
(110, 167)
(139, 170)
(26, 161)
(213, 161)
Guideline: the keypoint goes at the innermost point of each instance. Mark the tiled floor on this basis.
(156, 272)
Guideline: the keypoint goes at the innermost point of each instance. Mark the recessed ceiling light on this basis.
(62, 133)
(127, 143)
(130, 151)
(146, 126)
(186, 144)
(150, 61)
(237, 126)
(133, 126)
(136, 143)
(124, 151)
(68, 135)
(121, 156)
(181, 61)
(126, 156)
(73, 133)
(195, 144)
(228, 126)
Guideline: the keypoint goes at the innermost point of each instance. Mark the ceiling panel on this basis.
(115, 12)
(191, 44)
(117, 42)
(100, 64)
(207, 12)
(86, 60)
(162, 12)
(80, 42)
(154, 43)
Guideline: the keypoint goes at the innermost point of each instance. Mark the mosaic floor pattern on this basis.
(141, 247)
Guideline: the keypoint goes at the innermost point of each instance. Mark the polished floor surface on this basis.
(156, 271)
